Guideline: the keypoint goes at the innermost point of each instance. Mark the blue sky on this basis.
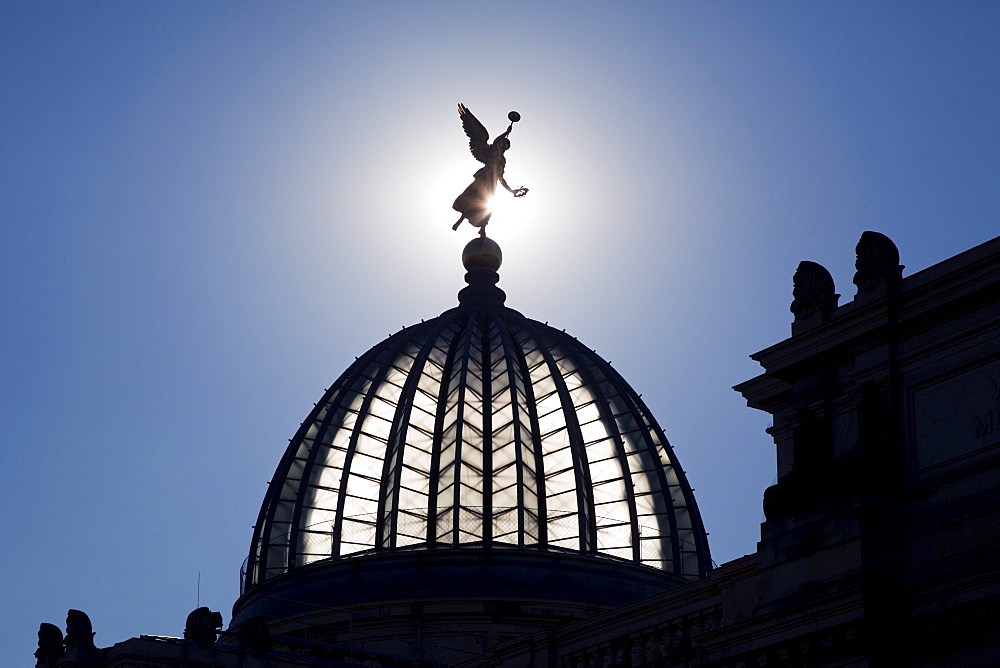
(208, 209)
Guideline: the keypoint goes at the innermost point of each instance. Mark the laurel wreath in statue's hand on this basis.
(520, 192)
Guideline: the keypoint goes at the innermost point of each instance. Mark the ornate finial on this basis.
(812, 291)
(50, 646)
(474, 202)
(877, 263)
(481, 258)
(202, 626)
(79, 632)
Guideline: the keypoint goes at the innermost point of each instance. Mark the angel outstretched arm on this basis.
(516, 192)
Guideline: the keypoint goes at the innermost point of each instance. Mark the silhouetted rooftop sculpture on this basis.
(812, 291)
(79, 632)
(877, 262)
(474, 202)
(50, 645)
(202, 626)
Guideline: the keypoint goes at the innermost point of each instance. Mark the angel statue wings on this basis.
(474, 202)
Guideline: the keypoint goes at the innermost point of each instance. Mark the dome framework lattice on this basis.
(479, 429)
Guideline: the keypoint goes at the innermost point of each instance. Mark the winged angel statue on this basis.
(474, 202)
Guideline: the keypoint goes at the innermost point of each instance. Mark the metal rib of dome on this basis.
(479, 428)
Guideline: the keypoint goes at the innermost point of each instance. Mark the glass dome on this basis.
(479, 429)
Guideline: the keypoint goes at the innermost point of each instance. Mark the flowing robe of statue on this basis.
(474, 201)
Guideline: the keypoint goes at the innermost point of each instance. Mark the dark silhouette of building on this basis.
(483, 490)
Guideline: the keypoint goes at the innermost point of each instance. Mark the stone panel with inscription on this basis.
(958, 416)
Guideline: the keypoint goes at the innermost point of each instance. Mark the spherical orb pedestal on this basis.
(482, 253)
